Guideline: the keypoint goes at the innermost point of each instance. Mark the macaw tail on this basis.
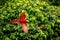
(24, 27)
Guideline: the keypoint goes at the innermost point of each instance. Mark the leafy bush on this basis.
(37, 12)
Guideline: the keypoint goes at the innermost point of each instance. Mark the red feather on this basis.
(22, 18)
(23, 22)
(40, 26)
(15, 21)
(24, 27)
(22, 15)
(54, 14)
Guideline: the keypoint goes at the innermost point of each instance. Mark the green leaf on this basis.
(7, 38)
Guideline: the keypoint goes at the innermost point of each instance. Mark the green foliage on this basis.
(37, 12)
(54, 2)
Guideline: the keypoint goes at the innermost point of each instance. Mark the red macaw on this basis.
(54, 13)
(22, 20)
(40, 26)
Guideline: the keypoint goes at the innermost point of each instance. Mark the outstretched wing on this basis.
(15, 21)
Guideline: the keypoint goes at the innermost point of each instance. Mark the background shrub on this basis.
(37, 12)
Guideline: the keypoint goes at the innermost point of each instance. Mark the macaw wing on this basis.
(15, 21)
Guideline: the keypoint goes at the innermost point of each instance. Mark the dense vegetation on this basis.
(39, 13)
(54, 2)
